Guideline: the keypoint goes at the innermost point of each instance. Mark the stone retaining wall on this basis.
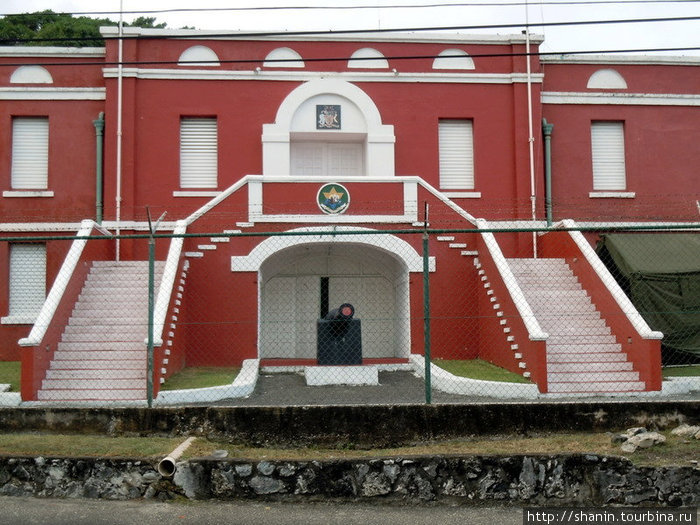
(376, 426)
(521, 480)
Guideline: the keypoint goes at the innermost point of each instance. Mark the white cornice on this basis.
(304, 76)
(622, 99)
(623, 60)
(62, 52)
(52, 93)
(398, 36)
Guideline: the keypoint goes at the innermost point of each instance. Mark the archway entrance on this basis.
(298, 282)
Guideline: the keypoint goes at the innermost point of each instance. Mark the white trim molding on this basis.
(612, 195)
(52, 93)
(29, 193)
(306, 76)
(195, 193)
(622, 99)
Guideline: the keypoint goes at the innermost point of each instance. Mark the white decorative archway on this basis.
(289, 271)
(380, 138)
(391, 244)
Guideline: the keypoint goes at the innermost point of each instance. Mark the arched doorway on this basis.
(299, 282)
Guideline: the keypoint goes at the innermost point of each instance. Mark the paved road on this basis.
(32, 511)
(395, 388)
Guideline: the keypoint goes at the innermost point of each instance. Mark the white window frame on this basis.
(608, 157)
(456, 154)
(30, 154)
(27, 282)
(199, 152)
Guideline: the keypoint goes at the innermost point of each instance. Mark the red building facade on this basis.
(239, 136)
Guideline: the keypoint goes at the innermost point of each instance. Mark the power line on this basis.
(103, 63)
(238, 35)
(359, 7)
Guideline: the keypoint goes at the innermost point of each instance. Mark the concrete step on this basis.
(98, 355)
(99, 321)
(106, 374)
(97, 364)
(104, 346)
(588, 357)
(108, 332)
(585, 367)
(583, 339)
(593, 388)
(68, 395)
(82, 384)
(96, 337)
(583, 349)
(593, 377)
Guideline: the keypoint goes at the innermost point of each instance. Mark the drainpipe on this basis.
(99, 155)
(547, 130)
(167, 465)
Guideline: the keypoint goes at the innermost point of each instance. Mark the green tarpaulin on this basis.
(660, 272)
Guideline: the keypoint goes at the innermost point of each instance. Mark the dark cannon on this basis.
(339, 339)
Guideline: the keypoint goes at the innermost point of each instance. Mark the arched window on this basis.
(606, 79)
(283, 57)
(31, 75)
(198, 56)
(453, 59)
(368, 58)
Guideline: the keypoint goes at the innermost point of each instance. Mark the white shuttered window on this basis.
(608, 154)
(456, 142)
(30, 153)
(27, 279)
(198, 153)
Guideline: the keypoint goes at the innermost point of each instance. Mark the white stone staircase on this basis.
(582, 354)
(101, 355)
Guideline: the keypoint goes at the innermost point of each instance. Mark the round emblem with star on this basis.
(333, 198)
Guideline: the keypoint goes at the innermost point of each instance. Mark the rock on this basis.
(628, 447)
(244, 470)
(616, 439)
(266, 485)
(686, 430)
(642, 440)
(266, 468)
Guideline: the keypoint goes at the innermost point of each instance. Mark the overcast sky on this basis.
(607, 37)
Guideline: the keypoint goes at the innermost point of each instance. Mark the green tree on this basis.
(46, 28)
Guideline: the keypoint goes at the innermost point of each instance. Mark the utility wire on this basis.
(197, 35)
(213, 63)
(373, 7)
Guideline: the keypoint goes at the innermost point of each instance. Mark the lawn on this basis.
(10, 373)
(676, 450)
(201, 377)
(479, 369)
(681, 371)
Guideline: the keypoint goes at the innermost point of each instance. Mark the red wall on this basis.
(660, 144)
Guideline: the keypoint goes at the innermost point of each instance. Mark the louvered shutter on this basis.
(608, 153)
(30, 153)
(27, 279)
(456, 145)
(198, 153)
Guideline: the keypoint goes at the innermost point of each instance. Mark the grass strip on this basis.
(201, 377)
(479, 369)
(10, 372)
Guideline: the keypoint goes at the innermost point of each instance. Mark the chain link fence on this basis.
(348, 315)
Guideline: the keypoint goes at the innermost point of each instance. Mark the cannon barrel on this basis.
(344, 312)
